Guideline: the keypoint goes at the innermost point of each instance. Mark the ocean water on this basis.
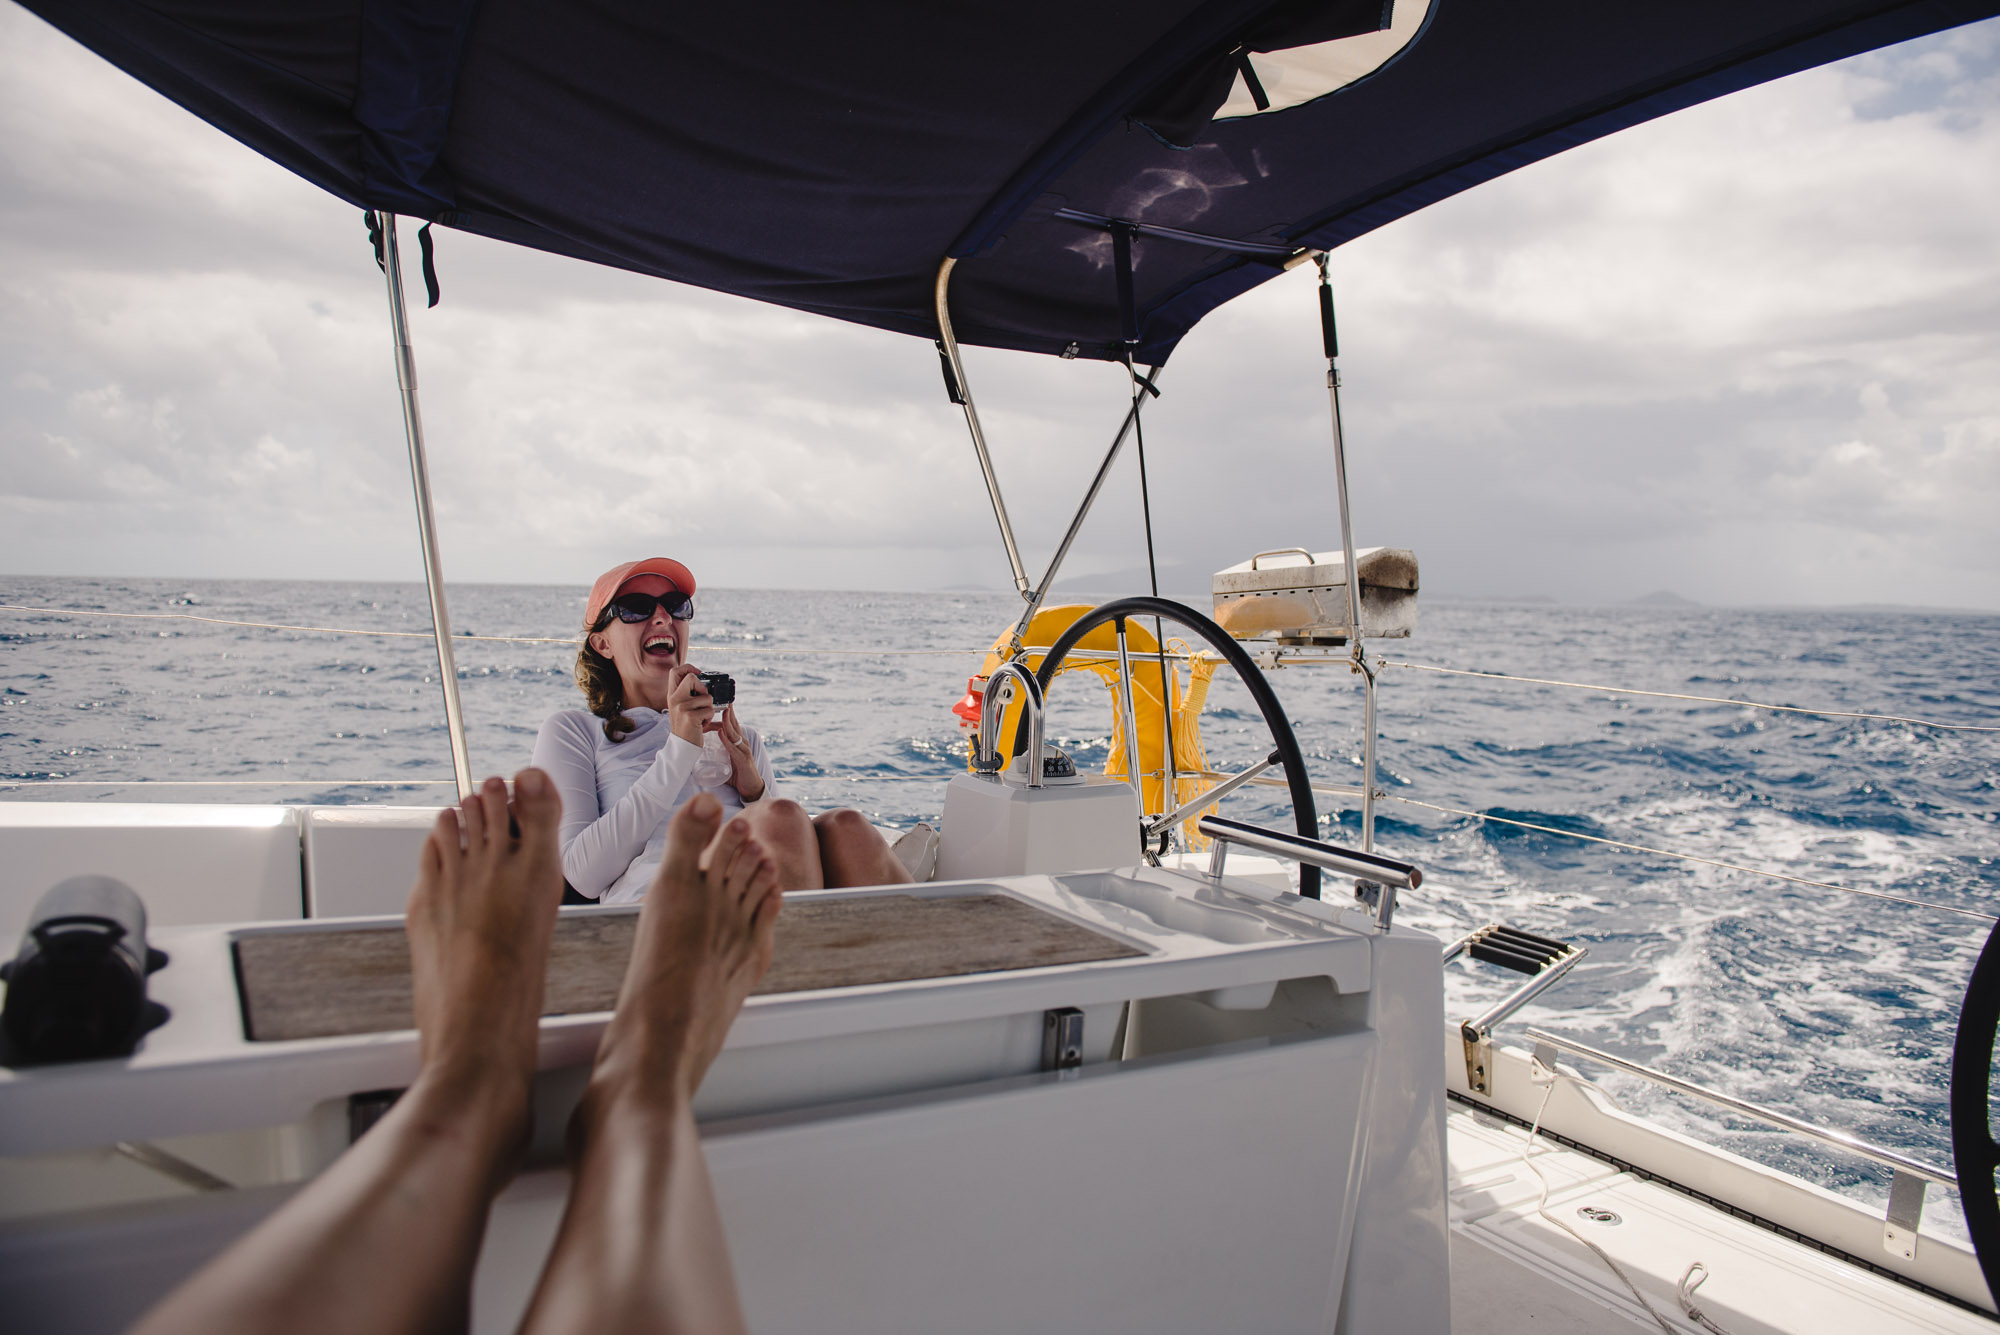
(1836, 1008)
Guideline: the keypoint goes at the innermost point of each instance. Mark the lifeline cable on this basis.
(457, 639)
(1704, 699)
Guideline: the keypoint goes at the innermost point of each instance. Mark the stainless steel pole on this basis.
(950, 343)
(1130, 721)
(420, 482)
(1350, 577)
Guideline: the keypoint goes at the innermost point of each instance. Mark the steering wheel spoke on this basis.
(1285, 750)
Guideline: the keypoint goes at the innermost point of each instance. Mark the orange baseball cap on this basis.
(607, 585)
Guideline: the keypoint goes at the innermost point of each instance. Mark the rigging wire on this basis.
(1703, 699)
(1690, 857)
(1167, 794)
(458, 639)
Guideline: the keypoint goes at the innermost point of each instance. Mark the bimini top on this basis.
(828, 157)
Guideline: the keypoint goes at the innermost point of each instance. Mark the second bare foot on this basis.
(704, 940)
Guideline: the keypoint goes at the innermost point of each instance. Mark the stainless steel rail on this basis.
(950, 343)
(420, 483)
(1155, 824)
(1887, 1158)
(1386, 873)
(989, 720)
(1041, 590)
(1350, 577)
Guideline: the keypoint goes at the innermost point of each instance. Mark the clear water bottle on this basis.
(714, 769)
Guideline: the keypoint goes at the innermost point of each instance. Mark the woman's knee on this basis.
(843, 825)
(780, 817)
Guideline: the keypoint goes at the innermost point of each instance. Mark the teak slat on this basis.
(319, 984)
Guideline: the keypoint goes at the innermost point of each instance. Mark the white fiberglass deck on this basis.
(1513, 1271)
(1255, 1133)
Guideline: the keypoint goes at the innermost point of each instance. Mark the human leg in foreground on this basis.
(836, 848)
(385, 1239)
(641, 1246)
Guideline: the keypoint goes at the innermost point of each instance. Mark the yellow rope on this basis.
(1689, 857)
(1704, 699)
(477, 639)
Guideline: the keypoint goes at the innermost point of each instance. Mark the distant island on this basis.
(1663, 598)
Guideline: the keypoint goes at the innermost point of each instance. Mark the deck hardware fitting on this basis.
(1906, 1212)
(1016, 678)
(1597, 1214)
(1062, 1039)
(1544, 960)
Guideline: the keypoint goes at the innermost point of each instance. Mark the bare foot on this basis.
(479, 923)
(704, 940)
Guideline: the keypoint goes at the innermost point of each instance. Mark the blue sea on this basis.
(1836, 1008)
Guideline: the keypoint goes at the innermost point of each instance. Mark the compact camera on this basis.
(721, 688)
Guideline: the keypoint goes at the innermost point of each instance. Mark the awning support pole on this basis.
(949, 343)
(420, 482)
(1041, 591)
(1357, 652)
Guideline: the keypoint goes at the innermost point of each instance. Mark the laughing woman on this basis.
(651, 739)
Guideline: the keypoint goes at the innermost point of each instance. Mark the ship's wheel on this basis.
(1975, 1154)
(1283, 740)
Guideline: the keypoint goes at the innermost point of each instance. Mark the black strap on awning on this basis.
(430, 265)
(1121, 263)
(376, 241)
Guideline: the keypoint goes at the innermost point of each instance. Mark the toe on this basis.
(444, 843)
(721, 852)
(537, 806)
(741, 869)
(492, 802)
(688, 835)
(472, 821)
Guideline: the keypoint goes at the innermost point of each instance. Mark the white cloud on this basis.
(1748, 352)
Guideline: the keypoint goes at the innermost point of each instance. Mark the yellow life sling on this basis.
(1187, 700)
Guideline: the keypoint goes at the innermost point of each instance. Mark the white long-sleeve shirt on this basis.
(618, 797)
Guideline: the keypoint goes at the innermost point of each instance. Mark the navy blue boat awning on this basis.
(829, 157)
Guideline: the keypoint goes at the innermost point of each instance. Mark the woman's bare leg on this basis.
(641, 1246)
(385, 1239)
(853, 852)
(788, 835)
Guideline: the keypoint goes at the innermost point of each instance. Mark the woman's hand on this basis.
(744, 776)
(688, 707)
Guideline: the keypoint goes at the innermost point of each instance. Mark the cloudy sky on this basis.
(1749, 354)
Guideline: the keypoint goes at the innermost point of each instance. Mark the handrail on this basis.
(1887, 1158)
(988, 751)
(1387, 873)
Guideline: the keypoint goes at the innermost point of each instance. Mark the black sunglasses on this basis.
(633, 608)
